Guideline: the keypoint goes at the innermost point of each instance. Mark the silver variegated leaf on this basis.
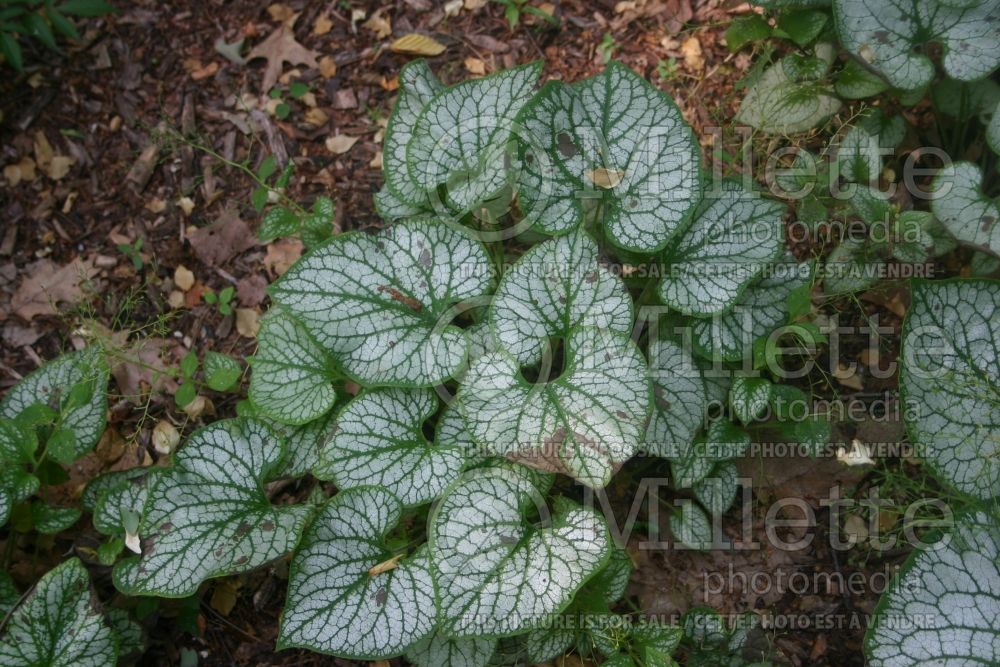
(497, 576)
(718, 491)
(58, 624)
(777, 103)
(942, 608)
(585, 423)
(680, 400)
(208, 514)
(417, 86)
(612, 139)
(292, 379)
(347, 594)
(965, 211)
(556, 286)
(889, 35)
(951, 371)
(691, 526)
(549, 641)
(53, 385)
(761, 308)
(378, 440)
(734, 237)
(460, 142)
(374, 301)
(440, 651)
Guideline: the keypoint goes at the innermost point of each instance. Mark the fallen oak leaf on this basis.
(46, 284)
(281, 47)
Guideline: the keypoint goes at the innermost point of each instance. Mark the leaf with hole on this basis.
(208, 514)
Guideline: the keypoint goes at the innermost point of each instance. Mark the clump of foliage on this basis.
(42, 20)
(445, 371)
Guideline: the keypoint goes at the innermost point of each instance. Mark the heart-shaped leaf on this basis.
(718, 491)
(417, 86)
(496, 575)
(57, 625)
(374, 301)
(209, 516)
(749, 397)
(440, 651)
(613, 141)
(722, 441)
(861, 150)
(292, 375)
(779, 104)
(378, 440)
(760, 308)
(888, 36)
(951, 370)
(679, 398)
(585, 423)
(76, 386)
(461, 139)
(942, 607)
(734, 237)
(347, 594)
(555, 287)
(966, 212)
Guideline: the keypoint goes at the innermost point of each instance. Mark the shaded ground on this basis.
(90, 168)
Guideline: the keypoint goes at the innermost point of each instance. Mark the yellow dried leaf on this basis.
(247, 322)
(316, 117)
(340, 143)
(385, 566)
(691, 50)
(322, 25)
(475, 66)
(327, 68)
(183, 277)
(20, 171)
(606, 178)
(43, 150)
(280, 12)
(417, 45)
(186, 205)
(59, 166)
(379, 25)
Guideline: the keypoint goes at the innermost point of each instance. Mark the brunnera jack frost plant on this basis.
(442, 371)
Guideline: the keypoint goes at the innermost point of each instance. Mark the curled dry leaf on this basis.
(417, 45)
(165, 437)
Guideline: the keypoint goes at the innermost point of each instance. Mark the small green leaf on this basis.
(189, 364)
(267, 167)
(856, 81)
(208, 514)
(278, 222)
(49, 519)
(496, 575)
(90, 8)
(259, 198)
(298, 89)
(340, 601)
(16, 485)
(778, 104)
(185, 393)
(743, 30)
(221, 371)
(718, 490)
(282, 111)
(749, 397)
(11, 50)
(61, 445)
(57, 624)
(39, 28)
(802, 26)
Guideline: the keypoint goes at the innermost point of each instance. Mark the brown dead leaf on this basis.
(222, 240)
(140, 369)
(251, 289)
(417, 45)
(45, 285)
(280, 47)
(378, 24)
(43, 150)
(280, 12)
(59, 167)
(183, 277)
(848, 377)
(247, 322)
(322, 25)
(282, 254)
(327, 67)
(340, 143)
(691, 50)
(24, 170)
(606, 178)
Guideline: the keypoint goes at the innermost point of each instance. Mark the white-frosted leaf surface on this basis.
(9, 595)
(615, 138)
(722, 441)
(749, 397)
(127, 495)
(548, 642)
(208, 514)
(718, 491)
(943, 606)
(440, 651)
(734, 237)
(303, 444)
(555, 287)
(613, 579)
(51, 385)
(951, 371)
(778, 104)
(391, 208)
(887, 35)
(335, 605)
(417, 85)
(461, 139)
(679, 399)
(585, 423)
(966, 212)
(292, 375)
(691, 526)
(495, 575)
(761, 308)
(59, 625)
(378, 440)
(374, 301)
(993, 130)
